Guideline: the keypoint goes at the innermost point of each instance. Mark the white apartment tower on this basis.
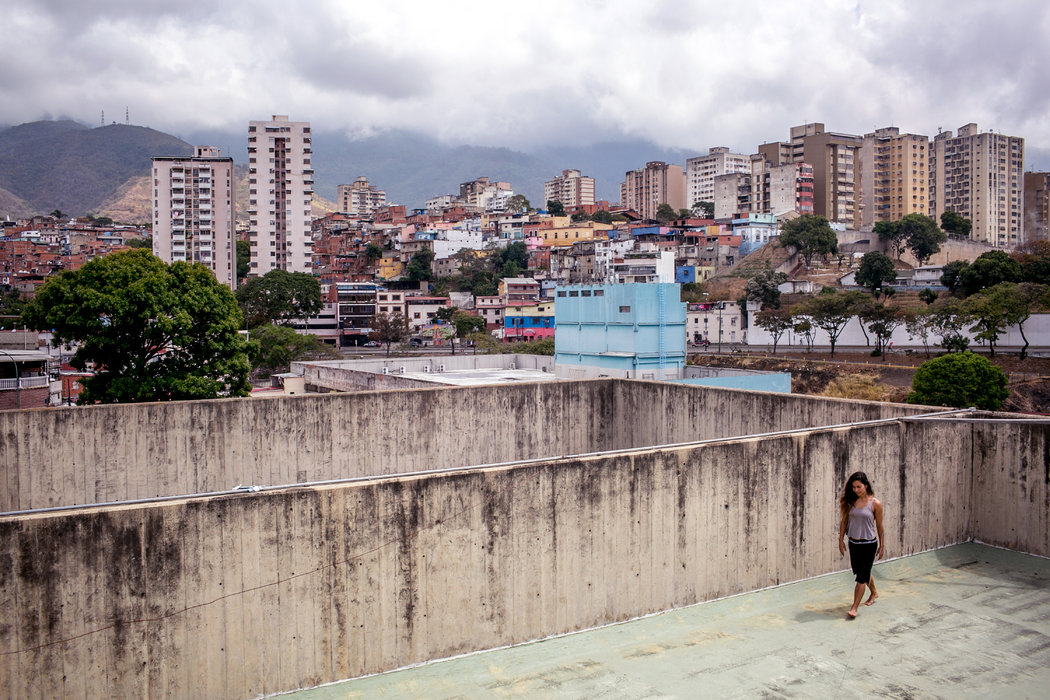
(570, 188)
(193, 211)
(700, 172)
(893, 176)
(280, 193)
(981, 177)
(360, 198)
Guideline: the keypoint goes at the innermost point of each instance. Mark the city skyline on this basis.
(687, 76)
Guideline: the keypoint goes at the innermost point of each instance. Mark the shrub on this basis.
(959, 380)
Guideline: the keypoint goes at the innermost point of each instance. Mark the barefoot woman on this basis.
(862, 521)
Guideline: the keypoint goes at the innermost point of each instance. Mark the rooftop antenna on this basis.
(127, 118)
(102, 120)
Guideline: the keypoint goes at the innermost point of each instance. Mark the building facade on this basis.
(360, 198)
(980, 177)
(766, 189)
(622, 330)
(280, 195)
(657, 183)
(894, 176)
(193, 212)
(570, 188)
(1036, 206)
(701, 171)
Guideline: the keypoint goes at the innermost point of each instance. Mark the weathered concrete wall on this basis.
(100, 454)
(239, 595)
(1011, 494)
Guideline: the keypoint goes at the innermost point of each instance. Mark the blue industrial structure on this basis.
(626, 330)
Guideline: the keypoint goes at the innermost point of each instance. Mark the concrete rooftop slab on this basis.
(968, 621)
(476, 377)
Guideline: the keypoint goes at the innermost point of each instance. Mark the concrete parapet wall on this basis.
(100, 454)
(240, 595)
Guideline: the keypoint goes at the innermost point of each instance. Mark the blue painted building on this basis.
(620, 330)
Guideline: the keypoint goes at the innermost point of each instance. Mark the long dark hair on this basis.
(848, 498)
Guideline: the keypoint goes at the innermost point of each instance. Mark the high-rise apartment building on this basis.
(570, 188)
(657, 183)
(834, 160)
(701, 171)
(193, 211)
(981, 177)
(766, 189)
(360, 198)
(1036, 206)
(280, 195)
(894, 172)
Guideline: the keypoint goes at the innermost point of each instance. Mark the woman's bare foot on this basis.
(871, 600)
(852, 612)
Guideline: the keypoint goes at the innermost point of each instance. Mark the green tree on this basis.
(919, 324)
(516, 253)
(831, 311)
(244, 260)
(1034, 259)
(951, 275)
(810, 235)
(776, 321)
(955, 225)
(988, 270)
(463, 324)
(418, 268)
(927, 296)
(279, 297)
(145, 243)
(876, 270)
(665, 212)
(153, 332)
(372, 253)
(959, 380)
(12, 304)
(881, 320)
(57, 214)
(1020, 300)
(1006, 304)
(891, 233)
(948, 318)
(922, 236)
(555, 207)
(275, 348)
(705, 210)
(602, 217)
(764, 288)
(518, 204)
(802, 325)
(389, 328)
(685, 213)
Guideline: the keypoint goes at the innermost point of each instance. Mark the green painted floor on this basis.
(968, 621)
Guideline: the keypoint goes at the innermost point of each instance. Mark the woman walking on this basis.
(862, 523)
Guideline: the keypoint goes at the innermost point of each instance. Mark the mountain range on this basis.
(65, 165)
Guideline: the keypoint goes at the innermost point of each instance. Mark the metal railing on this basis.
(25, 382)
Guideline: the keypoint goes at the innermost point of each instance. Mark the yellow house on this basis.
(570, 233)
(389, 268)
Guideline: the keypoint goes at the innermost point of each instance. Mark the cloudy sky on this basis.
(688, 74)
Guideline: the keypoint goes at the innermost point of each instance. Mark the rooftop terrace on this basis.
(967, 621)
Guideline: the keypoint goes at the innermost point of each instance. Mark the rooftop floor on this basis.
(968, 621)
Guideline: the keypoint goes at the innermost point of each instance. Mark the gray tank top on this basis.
(862, 522)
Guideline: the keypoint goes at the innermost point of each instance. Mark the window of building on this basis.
(625, 309)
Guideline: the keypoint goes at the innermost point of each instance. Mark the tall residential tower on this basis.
(193, 211)
(280, 194)
(570, 188)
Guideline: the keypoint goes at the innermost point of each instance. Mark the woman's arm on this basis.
(842, 535)
(877, 507)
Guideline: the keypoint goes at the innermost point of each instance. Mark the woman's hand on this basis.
(842, 547)
(878, 555)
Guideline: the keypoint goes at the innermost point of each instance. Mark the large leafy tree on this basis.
(988, 270)
(831, 311)
(555, 207)
(875, 272)
(12, 304)
(959, 380)
(951, 275)
(891, 233)
(275, 348)
(463, 324)
(279, 297)
(776, 321)
(948, 317)
(881, 320)
(922, 236)
(1034, 259)
(418, 268)
(665, 212)
(810, 235)
(244, 257)
(153, 332)
(764, 288)
(955, 225)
